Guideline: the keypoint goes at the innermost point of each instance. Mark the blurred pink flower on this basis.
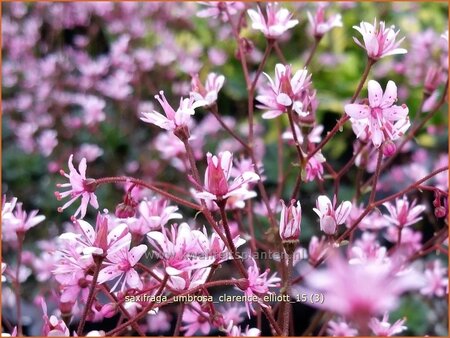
(320, 26)
(379, 115)
(121, 264)
(236, 331)
(290, 221)
(330, 216)
(17, 221)
(79, 186)
(341, 329)
(277, 22)
(155, 213)
(384, 328)
(284, 92)
(353, 291)
(195, 319)
(52, 325)
(404, 213)
(216, 9)
(208, 93)
(47, 141)
(217, 175)
(317, 249)
(379, 41)
(436, 280)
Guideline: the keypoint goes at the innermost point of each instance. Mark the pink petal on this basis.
(375, 93)
(390, 95)
(357, 111)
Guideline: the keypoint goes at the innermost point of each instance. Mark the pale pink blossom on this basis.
(233, 330)
(290, 221)
(367, 249)
(101, 240)
(155, 213)
(353, 291)
(436, 280)
(52, 325)
(382, 120)
(314, 167)
(19, 221)
(330, 216)
(179, 248)
(89, 151)
(341, 329)
(384, 328)
(79, 186)
(219, 9)
(378, 40)
(47, 141)
(173, 119)
(207, 94)
(195, 320)
(285, 92)
(320, 26)
(121, 264)
(317, 249)
(257, 284)
(275, 23)
(403, 213)
(217, 175)
(314, 136)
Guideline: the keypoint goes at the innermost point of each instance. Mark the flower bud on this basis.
(389, 148)
(328, 225)
(290, 220)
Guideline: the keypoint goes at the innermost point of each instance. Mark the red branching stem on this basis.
(117, 179)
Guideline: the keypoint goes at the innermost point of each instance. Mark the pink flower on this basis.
(367, 249)
(341, 329)
(236, 331)
(317, 249)
(216, 9)
(379, 41)
(314, 167)
(353, 291)
(47, 141)
(121, 264)
(156, 213)
(16, 221)
(436, 280)
(384, 328)
(319, 25)
(330, 217)
(285, 92)
(277, 22)
(79, 187)
(53, 326)
(208, 93)
(100, 241)
(195, 319)
(180, 249)
(290, 220)
(403, 213)
(379, 116)
(257, 285)
(173, 119)
(217, 175)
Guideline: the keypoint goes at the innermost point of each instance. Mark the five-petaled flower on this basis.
(381, 120)
(290, 221)
(404, 213)
(173, 119)
(217, 175)
(257, 284)
(277, 22)
(207, 94)
(79, 186)
(286, 92)
(379, 41)
(121, 264)
(330, 216)
(320, 25)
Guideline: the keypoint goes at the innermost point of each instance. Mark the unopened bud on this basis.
(440, 212)
(389, 148)
(124, 210)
